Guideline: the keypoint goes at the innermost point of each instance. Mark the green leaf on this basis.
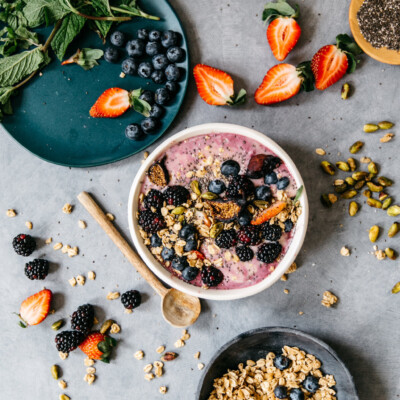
(307, 76)
(14, 68)
(13, 40)
(238, 99)
(298, 194)
(103, 347)
(5, 94)
(139, 105)
(346, 43)
(85, 58)
(22, 325)
(35, 10)
(102, 7)
(280, 8)
(103, 27)
(70, 28)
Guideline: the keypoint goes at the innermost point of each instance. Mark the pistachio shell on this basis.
(328, 168)
(353, 208)
(349, 194)
(382, 180)
(385, 125)
(342, 165)
(393, 211)
(352, 164)
(374, 188)
(209, 196)
(374, 233)
(356, 147)
(372, 168)
(374, 203)
(369, 128)
(195, 186)
(386, 203)
(394, 229)
(216, 229)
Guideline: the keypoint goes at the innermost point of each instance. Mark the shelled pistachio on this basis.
(195, 186)
(359, 175)
(390, 253)
(356, 147)
(372, 168)
(393, 211)
(383, 196)
(385, 125)
(349, 180)
(373, 233)
(328, 168)
(349, 194)
(382, 180)
(394, 229)
(369, 128)
(352, 164)
(386, 203)
(342, 165)
(359, 185)
(345, 91)
(353, 208)
(374, 188)
(367, 193)
(374, 203)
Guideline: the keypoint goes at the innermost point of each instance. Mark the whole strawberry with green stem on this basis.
(98, 346)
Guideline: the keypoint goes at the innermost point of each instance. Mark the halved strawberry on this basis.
(284, 81)
(215, 87)
(36, 307)
(98, 346)
(331, 62)
(269, 213)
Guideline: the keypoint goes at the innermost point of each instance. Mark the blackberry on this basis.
(245, 253)
(24, 245)
(239, 186)
(268, 252)
(151, 222)
(226, 239)
(211, 276)
(270, 163)
(131, 299)
(37, 269)
(82, 319)
(176, 195)
(271, 232)
(67, 341)
(249, 235)
(154, 198)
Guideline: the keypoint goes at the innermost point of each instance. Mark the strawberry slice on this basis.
(283, 34)
(36, 307)
(269, 213)
(331, 62)
(284, 81)
(216, 87)
(111, 104)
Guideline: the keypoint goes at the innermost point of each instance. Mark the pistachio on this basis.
(390, 253)
(328, 168)
(342, 165)
(349, 194)
(178, 210)
(345, 91)
(374, 188)
(385, 125)
(356, 147)
(374, 233)
(393, 211)
(372, 168)
(382, 180)
(169, 356)
(209, 196)
(359, 185)
(325, 201)
(386, 203)
(64, 397)
(181, 218)
(353, 208)
(396, 288)
(369, 177)
(106, 326)
(341, 188)
(383, 196)
(359, 175)
(260, 203)
(350, 181)
(369, 128)
(374, 203)
(367, 193)
(195, 186)
(57, 325)
(216, 229)
(352, 164)
(55, 373)
(394, 229)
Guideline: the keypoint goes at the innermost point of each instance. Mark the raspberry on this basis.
(154, 198)
(271, 232)
(239, 187)
(82, 319)
(249, 235)
(131, 299)
(151, 222)
(176, 195)
(269, 252)
(226, 239)
(24, 245)
(211, 276)
(67, 341)
(245, 253)
(37, 269)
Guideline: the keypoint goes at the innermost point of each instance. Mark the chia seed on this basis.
(379, 22)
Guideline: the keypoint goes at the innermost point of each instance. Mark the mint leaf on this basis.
(70, 27)
(5, 102)
(280, 8)
(12, 40)
(35, 11)
(14, 68)
(11, 13)
(85, 58)
(298, 194)
(102, 6)
(139, 105)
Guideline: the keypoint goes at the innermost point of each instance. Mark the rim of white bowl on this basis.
(217, 294)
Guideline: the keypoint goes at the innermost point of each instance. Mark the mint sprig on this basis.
(85, 58)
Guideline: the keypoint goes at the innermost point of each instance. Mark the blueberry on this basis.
(296, 394)
(118, 38)
(158, 76)
(129, 66)
(160, 61)
(288, 225)
(280, 392)
(190, 273)
(263, 193)
(149, 124)
(143, 34)
(230, 167)
(147, 95)
(244, 217)
(173, 73)
(282, 183)
(217, 186)
(281, 362)
(135, 48)
(270, 179)
(187, 231)
(311, 384)
(175, 54)
(179, 263)
(156, 111)
(162, 96)
(173, 87)
(169, 38)
(155, 240)
(111, 54)
(145, 69)
(133, 132)
(154, 36)
(190, 245)
(167, 254)
(153, 48)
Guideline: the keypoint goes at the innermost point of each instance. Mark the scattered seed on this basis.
(320, 152)
(350, 181)
(106, 326)
(367, 193)
(113, 295)
(380, 255)
(58, 246)
(88, 362)
(328, 299)
(328, 168)
(82, 224)
(89, 378)
(178, 210)
(73, 252)
(345, 91)
(369, 128)
(216, 229)
(393, 211)
(385, 125)
(62, 384)
(80, 279)
(179, 343)
(55, 372)
(149, 377)
(344, 251)
(359, 185)
(11, 213)
(209, 196)
(365, 160)
(148, 367)
(359, 175)
(386, 138)
(374, 233)
(382, 196)
(160, 349)
(197, 355)
(115, 328)
(325, 200)
(356, 147)
(163, 389)
(29, 224)
(394, 229)
(57, 325)
(200, 366)
(67, 209)
(139, 355)
(62, 355)
(49, 240)
(72, 281)
(91, 275)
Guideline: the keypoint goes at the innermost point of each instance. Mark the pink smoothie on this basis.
(193, 154)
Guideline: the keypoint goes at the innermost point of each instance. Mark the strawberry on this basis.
(284, 31)
(98, 346)
(284, 81)
(215, 87)
(269, 213)
(331, 62)
(35, 308)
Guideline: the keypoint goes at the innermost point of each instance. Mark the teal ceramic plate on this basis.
(51, 115)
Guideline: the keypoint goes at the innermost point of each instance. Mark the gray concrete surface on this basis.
(364, 326)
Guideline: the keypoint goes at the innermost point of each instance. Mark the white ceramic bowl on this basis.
(164, 274)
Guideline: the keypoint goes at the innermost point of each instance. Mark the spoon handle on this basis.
(97, 213)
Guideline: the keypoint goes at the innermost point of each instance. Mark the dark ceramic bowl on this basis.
(255, 344)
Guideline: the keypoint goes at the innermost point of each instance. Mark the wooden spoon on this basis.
(178, 309)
